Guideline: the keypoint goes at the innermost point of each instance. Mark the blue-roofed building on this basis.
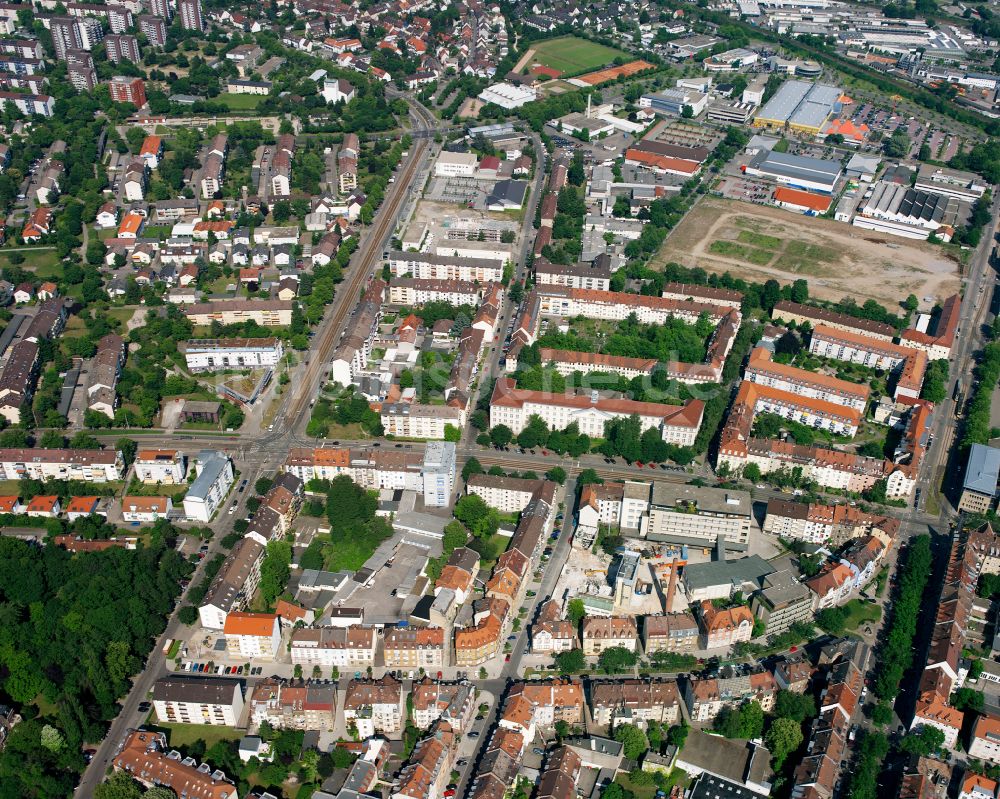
(981, 474)
(214, 478)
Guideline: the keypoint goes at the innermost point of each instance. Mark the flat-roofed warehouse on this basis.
(797, 171)
(800, 106)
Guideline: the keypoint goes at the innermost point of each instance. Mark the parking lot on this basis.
(463, 191)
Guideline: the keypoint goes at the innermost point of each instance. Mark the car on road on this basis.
(539, 752)
(144, 707)
(475, 733)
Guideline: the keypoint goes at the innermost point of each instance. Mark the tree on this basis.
(576, 612)
(633, 740)
(923, 742)
(571, 662)
(616, 659)
(263, 485)
(275, 571)
(911, 303)
(783, 737)
(751, 720)
(501, 435)
(187, 614)
(882, 714)
(678, 734)
(557, 474)
(751, 472)
(472, 466)
(967, 699)
(794, 706)
(119, 785)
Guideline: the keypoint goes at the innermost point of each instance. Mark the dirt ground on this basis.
(759, 242)
(470, 108)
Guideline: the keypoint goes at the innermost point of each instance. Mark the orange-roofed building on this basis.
(289, 613)
(831, 587)
(131, 225)
(985, 739)
(46, 507)
(151, 151)
(662, 163)
(724, 627)
(475, 645)
(804, 201)
(853, 134)
(146, 509)
(11, 505)
(252, 635)
(978, 786)
(82, 506)
(144, 757)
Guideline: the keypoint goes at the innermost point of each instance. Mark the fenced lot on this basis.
(759, 242)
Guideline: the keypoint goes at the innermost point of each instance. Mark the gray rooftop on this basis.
(796, 166)
(212, 463)
(983, 470)
(801, 102)
(751, 569)
(708, 500)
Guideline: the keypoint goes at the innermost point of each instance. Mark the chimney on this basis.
(672, 586)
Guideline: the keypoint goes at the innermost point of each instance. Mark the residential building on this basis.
(505, 494)
(154, 28)
(831, 587)
(167, 466)
(246, 353)
(635, 701)
(605, 633)
(782, 602)
(350, 647)
(252, 635)
(269, 313)
(80, 70)
(198, 700)
(350, 358)
(105, 369)
(128, 90)
(438, 472)
(763, 371)
(673, 632)
(293, 705)
(122, 47)
(724, 627)
(413, 648)
(415, 420)
(429, 767)
(513, 407)
(706, 697)
(189, 12)
(89, 465)
(214, 478)
(454, 703)
(796, 312)
(146, 509)
(428, 266)
(144, 756)
(826, 524)
(374, 706)
(984, 741)
(234, 585)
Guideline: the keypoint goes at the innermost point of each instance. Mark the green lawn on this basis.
(570, 54)
(860, 612)
(181, 735)
(43, 262)
(241, 102)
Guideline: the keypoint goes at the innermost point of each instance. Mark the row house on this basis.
(723, 627)
(412, 648)
(339, 647)
(803, 382)
(634, 701)
(294, 705)
(428, 769)
(374, 706)
(351, 355)
(550, 633)
(561, 776)
(459, 574)
(705, 698)
(817, 523)
(606, 633)
(145, 757)
(673, 632)
(89, 465)
(454, 703)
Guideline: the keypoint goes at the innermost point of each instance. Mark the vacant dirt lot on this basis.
(760, 242)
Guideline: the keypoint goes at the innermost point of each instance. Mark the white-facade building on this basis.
(214, 478)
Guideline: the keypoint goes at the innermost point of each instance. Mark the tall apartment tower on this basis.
(80, 70)
(162, 8)
(122, 48)
(65, 36)
(190, 13)
(154, 28)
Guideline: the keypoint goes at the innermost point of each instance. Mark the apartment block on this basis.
(198, 700)
(252, 635)
(342, 647)
(168, 466)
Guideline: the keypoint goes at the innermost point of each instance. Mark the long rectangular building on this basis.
(682, 514)
(417, 291)
(351, 355)
(269, 313)
(232, 353)
(618, 306)
(803, 382)
(90, 465)
(838, 419)
(855, 347)
(514, 407)
(428, 266)
(797, 312)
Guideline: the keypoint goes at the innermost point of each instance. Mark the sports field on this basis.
(570, 55)
(241, 102)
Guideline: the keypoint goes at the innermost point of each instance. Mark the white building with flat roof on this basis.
(229, 353)
(438, 473)
(456, 165)
(215, 475)
(507, 95)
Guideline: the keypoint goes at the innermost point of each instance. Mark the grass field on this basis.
(181, 735)
(43, 262)
(241, 102)
(569, 55)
